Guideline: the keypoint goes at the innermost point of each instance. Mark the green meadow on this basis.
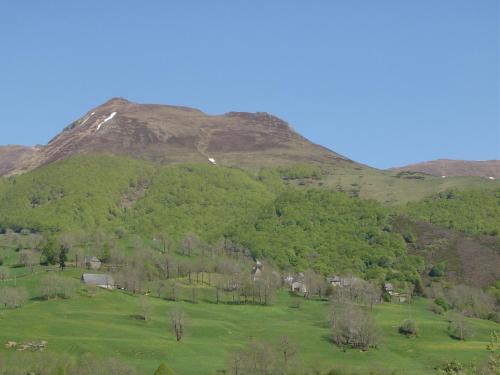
(102, 325)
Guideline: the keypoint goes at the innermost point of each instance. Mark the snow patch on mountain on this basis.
(105, 120)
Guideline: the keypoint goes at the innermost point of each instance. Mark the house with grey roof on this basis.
(334, 280)
(92, 263)
(343, 282)
(100, 280)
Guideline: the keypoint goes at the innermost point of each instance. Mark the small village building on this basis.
(396, 295)
(257, 270)
(256, 273)
(343, 282)
(334, 280)
(288, 279)
(92, 263)
(99, 280)
(389, 288)
(299, 287)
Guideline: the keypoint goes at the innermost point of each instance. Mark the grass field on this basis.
(390, 188)
(102, 325)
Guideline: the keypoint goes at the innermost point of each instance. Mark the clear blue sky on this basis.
(382, 82)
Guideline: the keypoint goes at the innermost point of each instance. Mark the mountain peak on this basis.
(173, 134)
(116, 101)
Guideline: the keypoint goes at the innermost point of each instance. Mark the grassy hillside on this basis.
(393, 188)
(102, 324)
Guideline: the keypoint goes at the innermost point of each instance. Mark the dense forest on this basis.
(293, 226)
(77, 193)
(472, 211)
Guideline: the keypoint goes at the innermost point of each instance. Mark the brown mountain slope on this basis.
(446, 167)
(170, 134)
(17, 158)
(471, 260)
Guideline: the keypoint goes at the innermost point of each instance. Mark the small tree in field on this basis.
(13, 297)
(145, 308)
(4, 273)
(173, 289)
(49, 287)
(288, 349)
(177, 322)
(62, 257)
(352, 326)
(28, 259)
(257, 357)
(66, 288)
(53, 286)
(459, 328)
(159, 287)
(194, 294)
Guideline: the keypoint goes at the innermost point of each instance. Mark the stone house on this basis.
(92, 263)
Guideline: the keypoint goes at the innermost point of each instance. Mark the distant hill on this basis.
(445, 167)
(18, 159)
(170, 134)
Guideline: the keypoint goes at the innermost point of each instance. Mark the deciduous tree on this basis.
(13, 297)
(352, 326)
(177, 322)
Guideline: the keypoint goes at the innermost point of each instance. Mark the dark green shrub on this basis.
(408, 328)
(435, 308)
(494, 316)
(163, 369)
(451, 368)
(336, 371)
(409, 238)
(442, 303)
(386, 297)
(437, 270)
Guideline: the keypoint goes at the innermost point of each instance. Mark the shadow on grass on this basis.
(39, 298)
(138, 317)
(323, 324)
